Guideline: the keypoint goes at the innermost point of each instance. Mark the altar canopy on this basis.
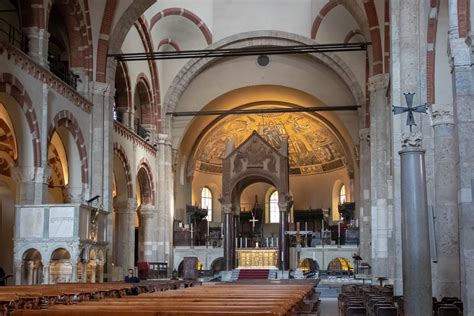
(255, 160)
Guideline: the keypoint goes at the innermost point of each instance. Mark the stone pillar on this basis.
(164, 235)
(38, 42)
(447, 281)
(93, 271)
(284, 204)
(17, 271)
(147, 221)
(415, 236)
(460, 50)
(125, 217)
(365, 209)
(84, 272)
(101, 273)
(32, 184)
(381, 209)
(46, 278)
(74, 271)
(228, 236)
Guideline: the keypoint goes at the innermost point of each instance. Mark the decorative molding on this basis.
(44, 75)
(130, 135)
(411, 141)
(441, 114)
(378, 82)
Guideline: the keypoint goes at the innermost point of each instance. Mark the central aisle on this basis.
(328, 306)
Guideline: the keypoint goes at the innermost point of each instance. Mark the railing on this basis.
(61, 70)
(15, 37)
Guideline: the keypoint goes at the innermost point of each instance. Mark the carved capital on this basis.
(227, 208)
(378, 82)
(74, 194)
(101, 88)
(127, 206)
(411, 141)
(164, 139)
(364, 135)
(442, 114)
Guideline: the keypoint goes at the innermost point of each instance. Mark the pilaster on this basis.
(380, 197)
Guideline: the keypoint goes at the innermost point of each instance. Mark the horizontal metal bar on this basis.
(250, 51)
(267, 110)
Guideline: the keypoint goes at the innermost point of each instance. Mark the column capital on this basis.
(285, 204)
(364, 135)
(101, 88)
(378, 82)
(127, 206)
(442, 114)
(227, 208)
(411, 141)
(164, 139)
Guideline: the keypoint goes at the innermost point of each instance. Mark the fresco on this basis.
(313, 148)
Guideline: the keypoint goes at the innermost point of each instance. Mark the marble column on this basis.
(147, 221)
(17, 269)
(100, 277)
(125, 217)
(38, 43)
(447, 280)
(380, 198)
(365, 209)
(84, 272)
(284, 204)
(228, 236)
(46, 278)
(415, 236)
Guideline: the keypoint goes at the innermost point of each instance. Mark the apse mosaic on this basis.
(313, 148)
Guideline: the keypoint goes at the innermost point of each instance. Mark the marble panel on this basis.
(31, 223)
(61, 222)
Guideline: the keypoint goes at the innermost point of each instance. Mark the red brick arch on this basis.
(147, 113)
(12, 86)
(78, 26)
(168, 41)
(186, 14)
(145, 164)
(66, 119)
(372, 18)
(122, 156)
(464, 17)
(144, 32)
(319, 19)
(431, 52)
(103, 43)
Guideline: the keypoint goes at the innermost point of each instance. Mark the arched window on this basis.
(274, 211)
(342, 195)
(206, 202)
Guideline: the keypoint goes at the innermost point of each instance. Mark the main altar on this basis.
(257, 258)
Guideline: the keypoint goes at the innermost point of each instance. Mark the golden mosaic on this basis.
(313, 148)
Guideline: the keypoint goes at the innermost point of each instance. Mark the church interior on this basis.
(310, 152)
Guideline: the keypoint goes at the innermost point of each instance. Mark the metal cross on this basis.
(253, 220)
(410, 118)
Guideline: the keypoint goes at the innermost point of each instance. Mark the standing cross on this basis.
(410, 118)
(253, 220)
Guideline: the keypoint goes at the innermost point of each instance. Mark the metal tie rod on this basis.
(267, 110)
(248, 51)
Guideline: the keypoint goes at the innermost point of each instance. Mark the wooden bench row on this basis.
(246, 298)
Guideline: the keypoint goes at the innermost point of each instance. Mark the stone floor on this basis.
(328, 306)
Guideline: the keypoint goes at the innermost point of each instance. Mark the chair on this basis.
(448, 311)
(387, 311)
(356, 311)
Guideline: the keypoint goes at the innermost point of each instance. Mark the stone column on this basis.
(125, 217)
(460, 50)
(46, 279)
(284, 204)
(447, 280)
(74, 271)
(415, 236)
(17, 271)
(32, 184)
(365, 209)
(164, 231)
(101, 273)
(147, 221)
(84, 272)
(38, 42)
(228, 236)
(379, 174)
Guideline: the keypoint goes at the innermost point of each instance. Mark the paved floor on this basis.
(328, 306)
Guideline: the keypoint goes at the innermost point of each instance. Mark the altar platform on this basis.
(257, 258)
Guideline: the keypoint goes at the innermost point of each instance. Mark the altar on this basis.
(257, 258)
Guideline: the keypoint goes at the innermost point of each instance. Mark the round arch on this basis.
(251, 39)
(123, 175)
